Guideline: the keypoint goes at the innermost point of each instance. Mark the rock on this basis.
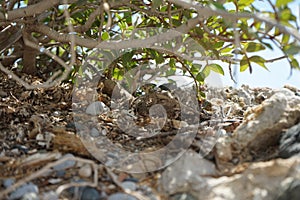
(184, 175)
(51, 195)
(89, 193)
(96, 108)
(85, 171)
(262, 180)
(291, 191)
(67, 164)
(183, 196)
(94, 133)
(8, 182)
(23, 190)
(129, 185)
(54, 180)
(264, 123)
(223, 149)
(121, 196)
(290, 142)
(3, 93)
(30, 196)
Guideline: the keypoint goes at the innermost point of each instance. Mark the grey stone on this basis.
(8, 182)
(121, 196)
(290, 142)
(23, 190)
(51, 195)
(85, 171)
(291, 191)
(89, 193)
(30, 196)
(186, 173)
(223, 148)
(96, 108)
(260, 181)
(94, 132)
(263, 124)
(65, 165)
(129, 185)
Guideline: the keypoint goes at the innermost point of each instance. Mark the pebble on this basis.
(89, 193)
(94, 132)
(54, 180)
(23, 190)
(8, 182)
(121, 196)
(30, 196)
(60, 173)
(51, 195)
(96, 108)
(129, 185)
(65, 165)
(79, 127)
(3, 93)
(85, 171)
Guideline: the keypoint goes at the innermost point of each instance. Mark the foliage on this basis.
(232, 40)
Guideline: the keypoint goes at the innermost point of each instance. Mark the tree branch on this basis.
(207, 11)
(116, 45)
(28, 11)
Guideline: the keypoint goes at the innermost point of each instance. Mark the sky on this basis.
(279, 71)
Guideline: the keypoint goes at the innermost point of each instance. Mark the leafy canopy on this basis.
(232, 31)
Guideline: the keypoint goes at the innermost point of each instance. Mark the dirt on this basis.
(37, 130)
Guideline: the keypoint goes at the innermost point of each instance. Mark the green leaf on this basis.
(257, 25)
(206, 71)
(244, 3)
(294, 63)
(291, 49)
(118, 74)
(244, 64)
(200, 77)
(280, 3)
(254, 47)
(285, 14)
(170, 72)
(105, 36)
(259, 60)
(285, 39)
(216, 68)
(195, 68)
(218, 45)
(156, 3)
(267, 45)
(226, 50)
(159, 58)
(127, 57)
(172, 63)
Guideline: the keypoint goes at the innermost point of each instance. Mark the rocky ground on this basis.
(247, 144)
